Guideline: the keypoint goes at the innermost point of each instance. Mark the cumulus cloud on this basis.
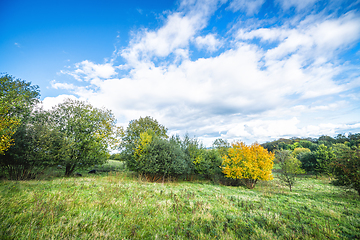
(50, 102)
(209, 42)
(87, 70)
(248, 91)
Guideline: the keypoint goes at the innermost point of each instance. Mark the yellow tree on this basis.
(7, 128)
(251, 163)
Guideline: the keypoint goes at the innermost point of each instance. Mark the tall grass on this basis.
(117, 205)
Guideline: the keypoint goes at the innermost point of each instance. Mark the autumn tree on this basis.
(290, 167)
(250, 163)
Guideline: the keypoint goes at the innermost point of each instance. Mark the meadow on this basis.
(117, 204)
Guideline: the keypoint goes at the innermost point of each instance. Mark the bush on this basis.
(308, 161)
(347, 169)
(290, 167)
(161, 159)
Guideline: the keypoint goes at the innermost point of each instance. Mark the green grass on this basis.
(118, 205)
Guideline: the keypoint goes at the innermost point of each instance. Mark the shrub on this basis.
(290, 167)
(347, 169)
(160, 159)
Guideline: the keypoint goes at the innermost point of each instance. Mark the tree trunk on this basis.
(69, 170)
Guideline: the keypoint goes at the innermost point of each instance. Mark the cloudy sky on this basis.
(254, 70)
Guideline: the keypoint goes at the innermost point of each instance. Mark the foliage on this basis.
(251, 163)
(340, 148)
(17, 98)
(308, 161)
(298, 151)
(290, 167)
(347, 169)
(35, 150)
(88, 132)
(8, 127)
(17, 101)
(115, 156)
(324, 156)
(158, 158)
(138, 126)
(132, 135)
(222, 146)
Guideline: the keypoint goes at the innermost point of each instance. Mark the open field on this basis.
(119, 205)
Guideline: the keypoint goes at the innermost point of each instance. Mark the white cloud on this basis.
(247, 91)
(50, 102)
(179, 29)
(57, 85)
(297, 4)
(249, 6)
(87, 70)
(209, 42)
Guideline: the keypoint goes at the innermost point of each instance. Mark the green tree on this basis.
(308, 161)
(347, 169)
(35, 148)
(222, 146)
(88, 133)
(290, 167)
(324, 156)
(17, 99)
(298, 151)
(158, 158)
(138, 126)
(132, 135)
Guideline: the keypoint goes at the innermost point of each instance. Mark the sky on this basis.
(249, 70)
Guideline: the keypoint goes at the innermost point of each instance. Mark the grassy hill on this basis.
(119, 205)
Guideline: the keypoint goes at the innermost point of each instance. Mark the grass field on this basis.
(119, 205)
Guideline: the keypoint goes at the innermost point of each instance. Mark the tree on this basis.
(138, 126)
(35, 149)
(17, 98)
(347, 169)
(298, 151)
(324, 156)
(159, 158)
(308, 161)
(8, 126)
(251, 163)
(222, 146)
(290, 167)
(88, 132)
(132, 136)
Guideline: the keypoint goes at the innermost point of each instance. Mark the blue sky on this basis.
(251, 70)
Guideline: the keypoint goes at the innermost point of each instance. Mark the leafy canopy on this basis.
(88, 133)
(251, 163)
(290, 167)
(16, 100)
(347, 169)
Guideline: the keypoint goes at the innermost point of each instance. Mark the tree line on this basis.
(77, 135)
